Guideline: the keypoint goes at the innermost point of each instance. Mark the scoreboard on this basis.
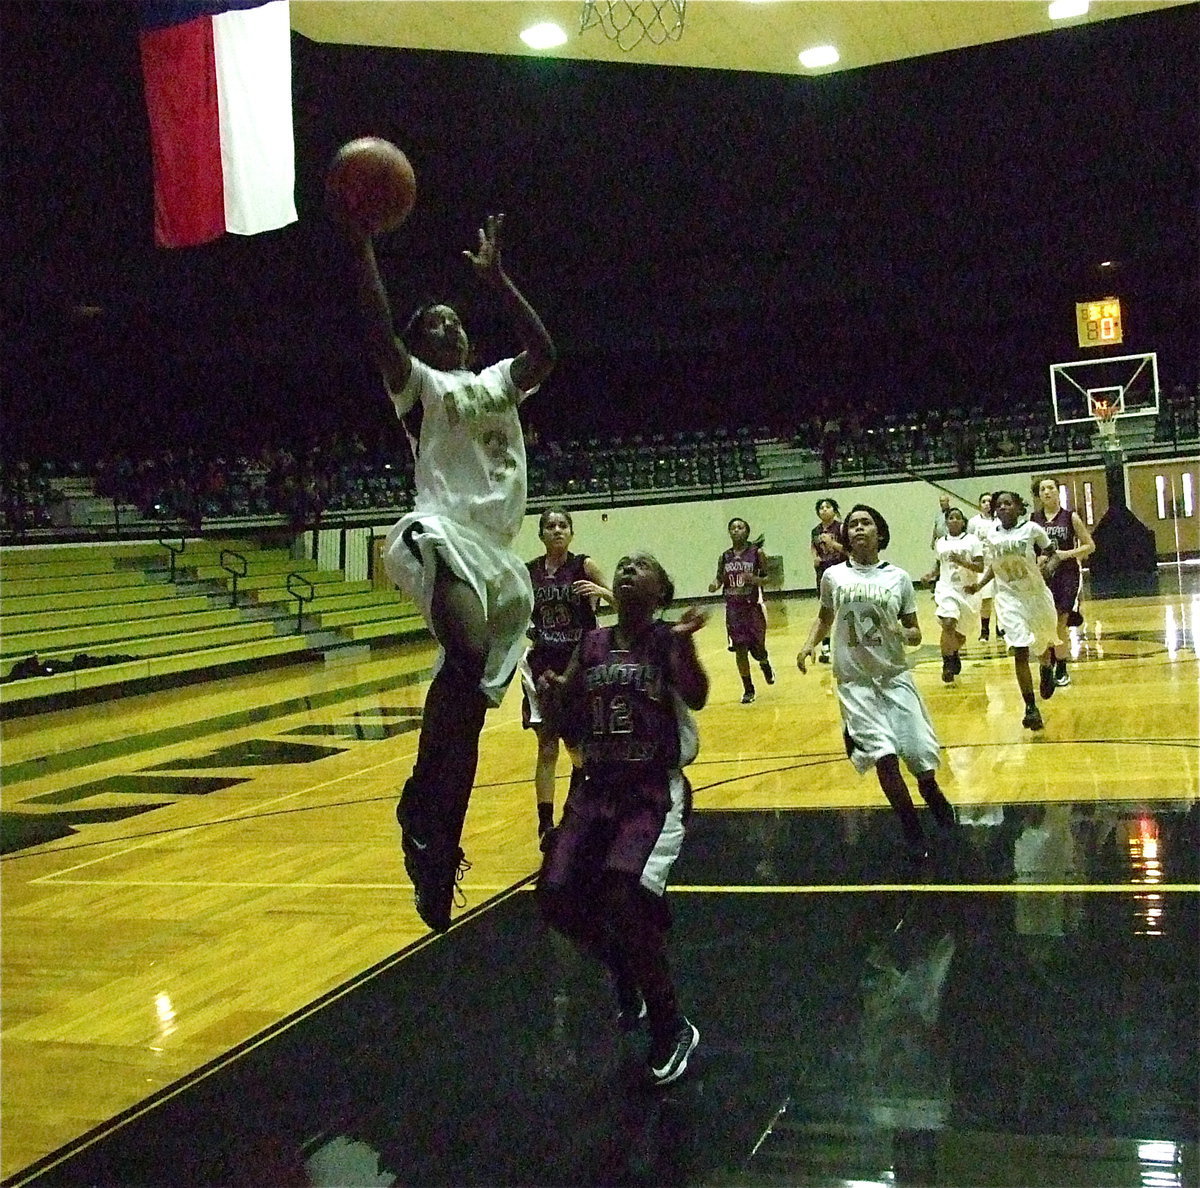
(1099, 322)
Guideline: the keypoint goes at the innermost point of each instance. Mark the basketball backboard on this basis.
(1128, 382)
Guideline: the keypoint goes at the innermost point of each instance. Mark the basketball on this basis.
(371, 181)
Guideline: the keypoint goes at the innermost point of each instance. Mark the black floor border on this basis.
(218, 1063)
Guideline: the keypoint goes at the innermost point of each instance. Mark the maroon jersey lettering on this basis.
(735, 568)
(630, 709)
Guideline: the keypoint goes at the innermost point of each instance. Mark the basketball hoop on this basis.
(630, 22)
(1105, 413)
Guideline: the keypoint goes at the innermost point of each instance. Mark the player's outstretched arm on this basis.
(691, 681)
(538, 356)
(976, 586)
(593, 585)
(387, 351)
(819, 630)
(1085, 546)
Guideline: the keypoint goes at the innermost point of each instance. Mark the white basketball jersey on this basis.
(867, 641)
(1012, 554)
(470, 459)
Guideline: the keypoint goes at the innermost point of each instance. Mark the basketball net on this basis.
(1105, 412)
(630, 22)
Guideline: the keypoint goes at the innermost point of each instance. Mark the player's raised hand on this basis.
(692, 619)
(486, 257)
(589, 589)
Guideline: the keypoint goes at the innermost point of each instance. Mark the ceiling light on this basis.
(544, 36)
(1061, 10)
(818, 55)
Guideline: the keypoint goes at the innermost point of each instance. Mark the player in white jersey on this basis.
(959, 561)
(870, 608)
(1024, 604)
(453, 552)
(980, 526)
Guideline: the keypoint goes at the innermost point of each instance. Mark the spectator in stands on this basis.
(831, 436)
(960, 438)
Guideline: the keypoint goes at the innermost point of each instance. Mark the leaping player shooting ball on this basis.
(453, 552)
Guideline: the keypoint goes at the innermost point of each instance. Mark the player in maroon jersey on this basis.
(1063, 574)
(566, 587)
(827, 549)
(741, 573)
(626, 699)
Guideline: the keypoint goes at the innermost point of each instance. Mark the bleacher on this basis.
(132, 615)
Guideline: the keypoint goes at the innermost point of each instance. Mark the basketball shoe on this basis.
(1046, 685)
(668, 1059)
(768, 672)
(1062, 678)
(435, 871)
(1033, 718)
(748, 697)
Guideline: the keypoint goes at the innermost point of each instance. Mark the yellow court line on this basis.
(698, 889)
(493, 889)
(1016, 888)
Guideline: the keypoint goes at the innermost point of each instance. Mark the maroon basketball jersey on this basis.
(631, 714)
(1060, 528)
(734, 568)
(560, 615)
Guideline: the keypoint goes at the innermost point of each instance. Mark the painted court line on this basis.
(993, 888)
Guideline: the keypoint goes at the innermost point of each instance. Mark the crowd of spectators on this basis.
(302, 483)
(342, 474)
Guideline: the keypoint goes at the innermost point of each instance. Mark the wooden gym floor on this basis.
(213, 973)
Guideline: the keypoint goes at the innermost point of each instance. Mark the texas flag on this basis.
(218, 80)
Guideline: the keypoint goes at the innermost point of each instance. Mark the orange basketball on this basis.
(371, 181)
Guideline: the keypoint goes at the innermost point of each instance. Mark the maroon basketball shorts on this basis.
(1064, 585)
(745, 624)
(539, 660)
(631, 823)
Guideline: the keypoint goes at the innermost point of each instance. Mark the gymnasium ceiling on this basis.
(763, 36)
